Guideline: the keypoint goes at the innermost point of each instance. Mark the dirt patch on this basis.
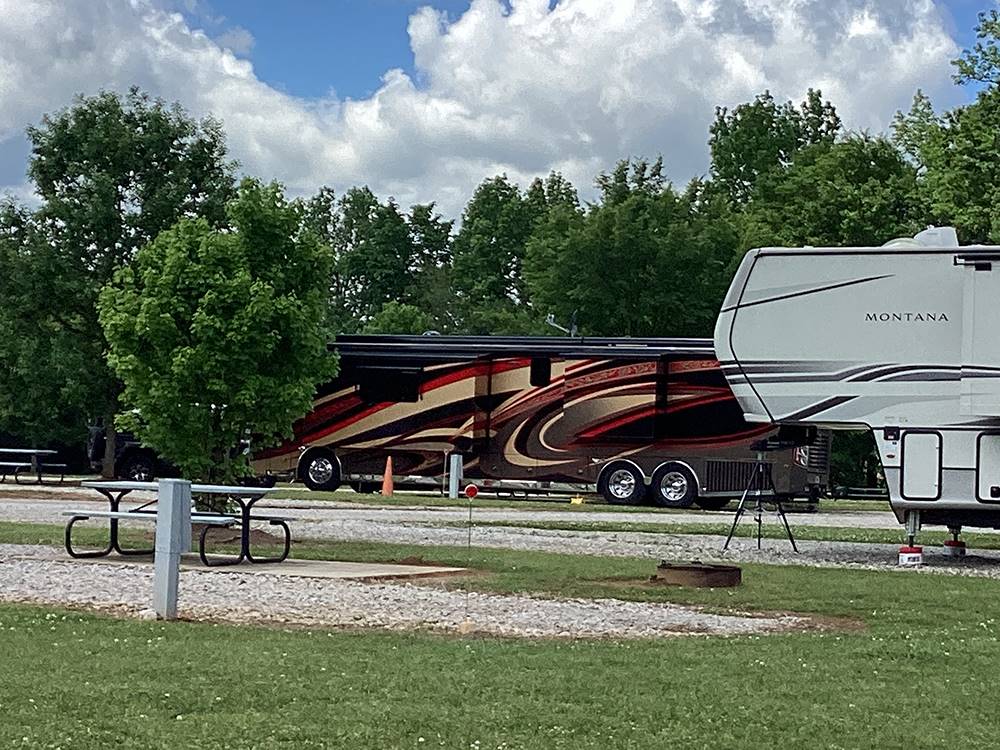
(219, 535)
(19, 492)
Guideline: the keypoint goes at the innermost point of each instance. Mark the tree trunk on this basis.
(110, 447)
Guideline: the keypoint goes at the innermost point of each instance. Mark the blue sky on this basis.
(421, 100)
(310, 47)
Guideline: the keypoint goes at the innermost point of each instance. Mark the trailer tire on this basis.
(319, 470)
(712, 503)
(674, 486)
(622, 484)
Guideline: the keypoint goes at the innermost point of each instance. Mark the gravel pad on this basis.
(28, 574)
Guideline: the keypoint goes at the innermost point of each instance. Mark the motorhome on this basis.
(900, 339)
(636, 419)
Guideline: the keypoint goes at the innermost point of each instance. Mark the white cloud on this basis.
(572, 88)
(237, 40)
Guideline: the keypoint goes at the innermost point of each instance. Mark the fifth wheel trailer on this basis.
(637, 419)
(902, 339)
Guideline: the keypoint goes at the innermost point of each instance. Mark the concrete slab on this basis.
(292, 567)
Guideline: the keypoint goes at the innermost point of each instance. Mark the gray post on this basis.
(173, 529)
(454, 475)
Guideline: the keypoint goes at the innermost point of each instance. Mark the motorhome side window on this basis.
(541, 371)
(379, 384)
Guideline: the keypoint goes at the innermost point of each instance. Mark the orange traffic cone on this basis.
(387, 478)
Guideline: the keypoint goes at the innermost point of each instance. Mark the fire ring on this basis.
(698, 574)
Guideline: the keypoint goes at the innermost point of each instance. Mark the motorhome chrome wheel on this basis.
(622, 483)
(674, 486)
(320, 470)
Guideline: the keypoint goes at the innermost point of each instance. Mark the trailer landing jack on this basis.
(910, 554)
(955, 547)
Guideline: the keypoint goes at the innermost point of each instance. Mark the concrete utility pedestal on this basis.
(454, 474)
(173, 537)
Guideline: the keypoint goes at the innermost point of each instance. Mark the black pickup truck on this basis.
(133, 461)
(137, 463)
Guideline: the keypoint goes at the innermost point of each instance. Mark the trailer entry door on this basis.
(980, 394)
(921, 471)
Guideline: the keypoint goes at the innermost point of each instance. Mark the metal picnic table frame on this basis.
(245, 497)
(35, 464)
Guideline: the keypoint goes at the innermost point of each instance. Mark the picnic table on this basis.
(244, 497)
(17, 460)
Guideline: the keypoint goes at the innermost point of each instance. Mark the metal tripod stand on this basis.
(760, 481)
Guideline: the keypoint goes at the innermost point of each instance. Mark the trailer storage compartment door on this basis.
(921, 470)
(980, 394)
(988, 467)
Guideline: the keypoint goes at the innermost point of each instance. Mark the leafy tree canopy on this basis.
(758, 137)
(981, 62)
(860, 191)
(956, 155)
(398, 317)
(646, 261)
(111, 172)
(219, 334)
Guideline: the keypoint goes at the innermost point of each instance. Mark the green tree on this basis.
(374, 252)
(957, 157)
(758, 137)
(430, 286)
(645, 261)
(981, 62)
(111, 173)
(321, 216)
(220, 334)
(47, 369)
(860, 191)
(398, 317)
(488, 251)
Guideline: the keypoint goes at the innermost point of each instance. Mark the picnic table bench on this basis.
(245, 498)
(18, 460)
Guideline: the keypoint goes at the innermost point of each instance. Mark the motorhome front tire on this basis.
(622, 484)
(674, 486)
(320, 471)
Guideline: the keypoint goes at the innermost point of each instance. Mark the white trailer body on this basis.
(903, 339)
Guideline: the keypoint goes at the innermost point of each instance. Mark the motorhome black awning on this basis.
(436, 348)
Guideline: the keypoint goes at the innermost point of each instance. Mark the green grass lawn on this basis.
(916, 670)
(921, 674)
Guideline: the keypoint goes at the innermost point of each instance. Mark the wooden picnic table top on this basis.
(29, 451)
(203, 489)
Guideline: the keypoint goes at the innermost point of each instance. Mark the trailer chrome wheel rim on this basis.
(674, 486)
(321, 470)
(621, 484)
